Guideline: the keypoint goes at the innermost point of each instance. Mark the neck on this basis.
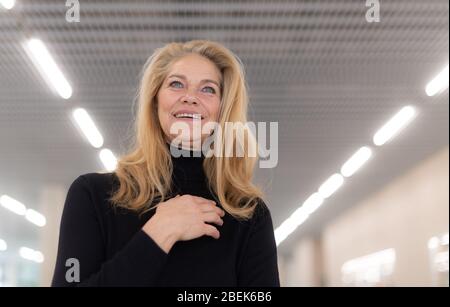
(187, 165)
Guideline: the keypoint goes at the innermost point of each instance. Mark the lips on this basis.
(188, 114)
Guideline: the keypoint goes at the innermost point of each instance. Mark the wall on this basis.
(404, 215)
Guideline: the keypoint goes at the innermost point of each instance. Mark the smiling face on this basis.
(190, 94)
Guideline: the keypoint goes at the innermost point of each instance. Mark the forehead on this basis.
(197, 67)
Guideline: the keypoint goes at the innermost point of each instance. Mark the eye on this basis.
(176, 84)
(211, 90)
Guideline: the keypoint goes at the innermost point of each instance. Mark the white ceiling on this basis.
(317, 67)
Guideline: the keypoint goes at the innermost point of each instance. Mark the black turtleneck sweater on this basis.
(112, 249)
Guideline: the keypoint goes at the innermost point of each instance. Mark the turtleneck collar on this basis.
(184, 152)
(188, 166)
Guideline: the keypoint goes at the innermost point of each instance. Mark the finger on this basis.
(211, 208)
(211, 231)
(173, 197)
(212, 217)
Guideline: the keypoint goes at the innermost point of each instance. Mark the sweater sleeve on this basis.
(259, 266)
(138, 263)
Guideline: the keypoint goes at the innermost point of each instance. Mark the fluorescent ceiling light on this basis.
(312, 203)
(30, 254)
(331, 185)
(3, 245)
(298, 217)
(13, 205)
(38, 257)
(108, 159)
(35, 218)
(88, 127)
(356, 161)
(44, 62)
(394, 125)
(287, 227)
(438, 84)
(8, 4)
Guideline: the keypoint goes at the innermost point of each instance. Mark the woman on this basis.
(168, 220)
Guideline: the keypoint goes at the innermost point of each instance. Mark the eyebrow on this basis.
(203, 81)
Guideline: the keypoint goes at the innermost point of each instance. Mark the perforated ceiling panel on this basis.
(328, 77)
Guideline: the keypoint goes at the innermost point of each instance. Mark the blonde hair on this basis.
(144, 174)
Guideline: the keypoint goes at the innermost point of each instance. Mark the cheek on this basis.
(163, 109)
(165, 102)
(213, 110)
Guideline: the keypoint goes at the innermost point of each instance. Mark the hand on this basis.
(183, 218)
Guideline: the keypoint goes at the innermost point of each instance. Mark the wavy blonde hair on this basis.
(145, 173)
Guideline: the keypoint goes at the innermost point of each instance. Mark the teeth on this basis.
(194, 116)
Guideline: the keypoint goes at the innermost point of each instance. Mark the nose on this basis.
(190, 99)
